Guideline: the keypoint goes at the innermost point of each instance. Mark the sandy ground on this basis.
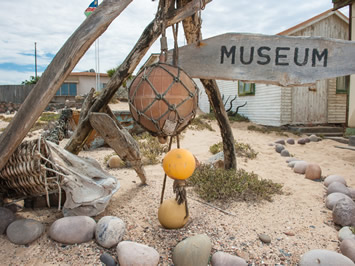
(300, 210)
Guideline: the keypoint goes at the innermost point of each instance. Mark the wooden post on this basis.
(148, 37)
(192, 29)
(53, 77)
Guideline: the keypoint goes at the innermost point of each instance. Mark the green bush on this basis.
(221, 185)
(241, 149)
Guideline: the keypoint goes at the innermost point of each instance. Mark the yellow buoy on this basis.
(179, 164)
(171, 215)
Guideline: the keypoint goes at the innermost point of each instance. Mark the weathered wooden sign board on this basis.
(280, 60)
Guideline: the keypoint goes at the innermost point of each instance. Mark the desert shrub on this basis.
(238, 118)
(241, 149)
(199, 124)
(6, 119)
(213, 184)
(208, 116)
(150, 148)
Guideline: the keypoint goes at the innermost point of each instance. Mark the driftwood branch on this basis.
(146, 40)
(55, 74)
(192, 29)
(120, 141)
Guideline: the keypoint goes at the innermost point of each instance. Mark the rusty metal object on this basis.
(163, 99)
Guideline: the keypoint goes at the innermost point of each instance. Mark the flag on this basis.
(91, 8)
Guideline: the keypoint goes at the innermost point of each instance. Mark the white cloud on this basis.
(51, 23)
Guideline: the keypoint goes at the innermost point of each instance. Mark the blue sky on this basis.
(51, 23)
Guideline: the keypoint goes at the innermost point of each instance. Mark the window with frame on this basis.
(67, 89)
(342, 84)
(246, 89)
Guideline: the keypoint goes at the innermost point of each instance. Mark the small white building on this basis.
(78, 84)
(272, 105)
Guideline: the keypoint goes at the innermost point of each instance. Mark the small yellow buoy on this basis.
(179, 164)
(171, 215)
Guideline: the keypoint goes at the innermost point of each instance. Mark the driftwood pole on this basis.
(148, 37)
(53, 77)
(192, 29)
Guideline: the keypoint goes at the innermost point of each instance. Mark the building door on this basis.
(309, 104)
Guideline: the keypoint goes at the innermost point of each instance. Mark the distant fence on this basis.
(14, 93)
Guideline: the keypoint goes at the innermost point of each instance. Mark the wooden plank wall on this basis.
(336, 104)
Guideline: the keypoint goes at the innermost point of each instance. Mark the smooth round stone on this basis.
(300, 167)
(285, 153)
(265, 238)
(131, 253)
(114, 162)
(279, 148)
(109, 231)
(307, 140)
(292, 164)
(290, 141)
(333, 198)
(352, 192)
(73, 229)
(24, 231)
(338, 187)
(313, 171)
(321, 257)
(6, 218)
(345, 233)
(193, 251)
(334, 178)
(107, 260)
(313, 138)
(280, 141)
(224, 259)
(301, 141)
(344, 212)
(347, 248)
(292, 159)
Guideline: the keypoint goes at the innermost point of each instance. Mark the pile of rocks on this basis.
(9, 108)
(108, 232)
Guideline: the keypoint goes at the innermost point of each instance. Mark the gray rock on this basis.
(313, 138)
(352, 141)
(300, 167)
(290, 141)
(285, 153)
(280, 141)
(24, 231)
(265, 238)
(73, 229)
(131, 253)
(109, 231)
(338, 187)
(224, 259)
(347, 248)
(279, 148)
(321, 257)
(307, 140)
(292, 164)
(301, 141)
(292, 159)
(6, 218)
(193, 251)
(333, 198)
(352, 192)
(345, 233)
(313, 171)
(344, 212)
(334, 178)
(107, 259)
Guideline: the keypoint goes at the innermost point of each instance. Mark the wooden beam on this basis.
(146, 40)
(341, 3)
(55, 74)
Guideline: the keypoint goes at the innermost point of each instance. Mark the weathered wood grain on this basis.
(55, 74)
(120, 141)
(280, 60)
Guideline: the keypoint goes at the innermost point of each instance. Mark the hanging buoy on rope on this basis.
(163, 99)
(179, 164)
